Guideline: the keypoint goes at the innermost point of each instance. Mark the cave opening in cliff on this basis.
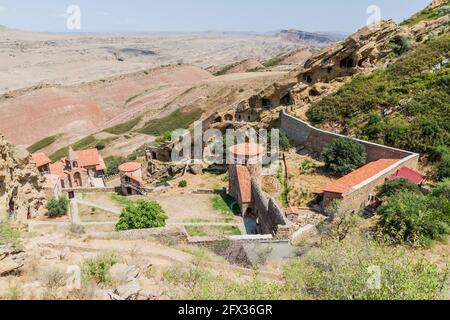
(361, 62)
(308, 78)
(286, 100)
(346, 63)
(314, 93)
(11, 206)
(266, 103)
(219, 119)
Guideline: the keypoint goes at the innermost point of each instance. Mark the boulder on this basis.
(11, 259)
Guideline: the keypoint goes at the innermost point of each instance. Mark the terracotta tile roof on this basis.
(58, 169)
(130, 167)
(40, 159)
(357, 177)
(244, 183)
(247, 149)
(90, 157)
(408, 174)
(138, 180)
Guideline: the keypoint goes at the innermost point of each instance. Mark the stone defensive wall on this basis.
(301, 133)
(271, 217)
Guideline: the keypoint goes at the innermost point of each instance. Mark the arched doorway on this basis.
(77, 179)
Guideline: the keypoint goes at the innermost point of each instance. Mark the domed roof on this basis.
(130, 167)
(247, 149)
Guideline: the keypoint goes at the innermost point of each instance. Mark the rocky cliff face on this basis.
(21, 193)
(370, 48)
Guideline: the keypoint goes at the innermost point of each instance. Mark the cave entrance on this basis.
(11, 206)
(219, 119)
(266, 103)
(347, 63)
(314, 93)
(228, 117)
(286, 100)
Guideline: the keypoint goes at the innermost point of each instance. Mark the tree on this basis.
(339, 223)
(392, 187)
(285, 144)
(142, 215)
(58, 207)
(343, 156)
(443, 167)
(442, 189)
(414, 218)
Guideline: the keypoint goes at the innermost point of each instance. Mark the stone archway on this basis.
(77, 179)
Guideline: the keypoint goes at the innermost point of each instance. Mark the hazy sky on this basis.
(202, 15)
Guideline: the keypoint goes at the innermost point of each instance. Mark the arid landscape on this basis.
(101, 200)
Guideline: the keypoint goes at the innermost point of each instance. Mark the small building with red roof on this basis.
(42, 162)
(131, 178)
(358, 189)
(408, 174)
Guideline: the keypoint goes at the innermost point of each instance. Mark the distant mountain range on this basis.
(298, 35)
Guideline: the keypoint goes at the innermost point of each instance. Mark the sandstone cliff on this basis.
(370, 48)
(21, 193)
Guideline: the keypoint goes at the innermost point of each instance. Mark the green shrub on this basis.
(443, 168)
(176, 120)
(392, 187)
(142, 215)
(306, 166)
(97, 269)
(349, 271)
(43, 143)
(182, 184)
(100, 145)
(285, 144)
(415, 219)
(113, 163)
(58, 207)
(9, 235)
(123, 127)
(442, 189)
(343, 155)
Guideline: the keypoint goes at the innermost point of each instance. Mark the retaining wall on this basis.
(301, 133)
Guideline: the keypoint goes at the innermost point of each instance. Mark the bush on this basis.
(285, 144)
(306, 166)
(392, 187)
(415, 219)
(97, 269)
(182, 184)
(443, 167)
(349, 270)
(343, 156)
(142, 215)
(9, 235)
(100, 145)
(442, 189)
(113, 163)
(58, 207)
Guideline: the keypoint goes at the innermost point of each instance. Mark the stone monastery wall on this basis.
(303, 134)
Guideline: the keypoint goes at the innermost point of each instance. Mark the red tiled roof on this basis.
(138, 180)
(247, 149)
(358, 176)
(408, 174)
(130, 167)
(90, 157)
(244, 183)
(58, 169)
(40, 159)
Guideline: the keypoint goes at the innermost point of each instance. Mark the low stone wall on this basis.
(301, 133)
(89, 190)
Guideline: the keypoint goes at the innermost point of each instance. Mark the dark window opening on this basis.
(329, 69)
(314, 93)
(219, 119)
